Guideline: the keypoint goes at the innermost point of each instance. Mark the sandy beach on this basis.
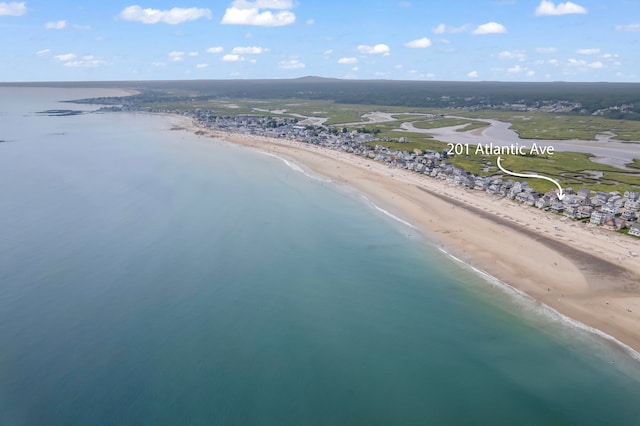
(583, 272)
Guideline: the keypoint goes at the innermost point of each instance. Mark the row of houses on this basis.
(611, 210)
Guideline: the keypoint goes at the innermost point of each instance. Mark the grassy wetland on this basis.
(535, 111)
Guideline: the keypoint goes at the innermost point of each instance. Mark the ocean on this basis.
(152, 276)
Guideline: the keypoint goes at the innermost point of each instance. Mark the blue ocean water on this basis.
(150, 276)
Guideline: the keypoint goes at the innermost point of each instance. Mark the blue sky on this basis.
(505, 40)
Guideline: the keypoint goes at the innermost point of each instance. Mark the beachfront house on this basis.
(543, 202)
(584, 212)
(599, 217)
(615, 224)
(557, 206)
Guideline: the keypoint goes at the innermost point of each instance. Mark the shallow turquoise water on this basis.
(149, 276)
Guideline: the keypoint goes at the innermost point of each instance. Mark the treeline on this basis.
(424, 94)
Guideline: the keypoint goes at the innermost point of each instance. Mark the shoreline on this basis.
(533, 252)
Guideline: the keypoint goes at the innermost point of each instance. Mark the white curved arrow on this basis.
(561, 193)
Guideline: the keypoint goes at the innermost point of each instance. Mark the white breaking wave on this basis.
(294, 167)
(546, 309)
(391, 215)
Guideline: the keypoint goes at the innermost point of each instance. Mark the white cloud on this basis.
(216, 49)
(232, 58)
(65, 57)
(490, 28)
(546, 49)
(588, 51)
(86, 62)
(264, 4)
(580, 63)
(176, 56)
(554, 61)
(43, 52)
(628, 27)
(291, 64)
(72, 61)
(531, 73)
(193, 53)
(13, 8)
(176, 15)
(420, 43)
(328, 52)
(515, 69)
(512, 54)
(310, 21)
(82, 27)
(443, 28)
(243, 12)
(440, 29)
(547, 8)
(249, 50)
(201, 66)
(472, 74)
(378, 49)
(234, 16)
(347, 60)
(56, 25)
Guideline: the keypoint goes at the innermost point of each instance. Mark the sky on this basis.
(461, 40)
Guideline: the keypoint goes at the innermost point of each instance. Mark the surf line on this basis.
(294, 166)
(560, 193)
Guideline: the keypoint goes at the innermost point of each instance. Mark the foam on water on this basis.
(543, 308)
(387, 213)
(295, 167)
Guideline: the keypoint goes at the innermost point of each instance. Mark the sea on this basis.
(150, 276)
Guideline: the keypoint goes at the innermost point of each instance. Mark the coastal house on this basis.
(599, 217)
(600, 198)
(629, 215)
(572, 212)
(528, 197)
(614, 224)
(584, 192)
(611, 208)
(631, 195)
(481, 183)
(632, 205)
(584, 212)
(543, 202)
(557, 206)
(635, 230)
